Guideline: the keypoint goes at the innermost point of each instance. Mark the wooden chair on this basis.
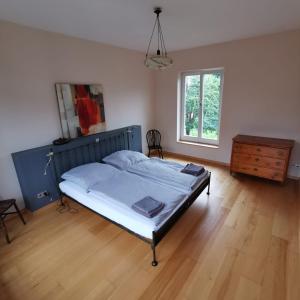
(153, 137)
(5, 205)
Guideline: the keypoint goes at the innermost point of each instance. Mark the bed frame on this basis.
(71, 155)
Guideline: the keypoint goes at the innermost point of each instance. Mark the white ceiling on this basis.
(128, 23)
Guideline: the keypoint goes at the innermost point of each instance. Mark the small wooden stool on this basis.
(4, 206)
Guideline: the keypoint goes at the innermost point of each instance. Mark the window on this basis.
(200, 109)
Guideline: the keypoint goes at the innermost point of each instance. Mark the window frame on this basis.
(199, 139)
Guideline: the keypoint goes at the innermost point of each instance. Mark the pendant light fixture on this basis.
(160, 60)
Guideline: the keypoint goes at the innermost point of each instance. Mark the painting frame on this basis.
(81, 108)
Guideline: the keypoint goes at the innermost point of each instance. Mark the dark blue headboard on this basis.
(94, 148)
(30, 163)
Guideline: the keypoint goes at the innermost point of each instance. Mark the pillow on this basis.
(124, 159)
(89, 174)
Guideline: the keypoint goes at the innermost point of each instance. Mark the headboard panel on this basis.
(30, 164)
(92, 149)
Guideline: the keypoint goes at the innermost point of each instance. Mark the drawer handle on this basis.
(256, 159)
(258, 149)
(255, 169)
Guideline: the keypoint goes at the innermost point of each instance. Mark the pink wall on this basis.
(261, 92)
(31, 61)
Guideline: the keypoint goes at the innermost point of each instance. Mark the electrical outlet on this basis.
(42, 194)
(97, 140)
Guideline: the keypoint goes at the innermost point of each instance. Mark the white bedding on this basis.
(163, 172)
(111, 208)
(167, 173)
(125, 189)
(113, 198)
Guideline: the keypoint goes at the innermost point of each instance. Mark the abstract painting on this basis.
(81, 109)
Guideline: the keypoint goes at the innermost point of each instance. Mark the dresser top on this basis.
(263, 141)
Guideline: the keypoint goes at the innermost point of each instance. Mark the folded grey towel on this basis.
(193, 169)
(148, 207)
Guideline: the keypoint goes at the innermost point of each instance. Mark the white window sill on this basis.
(198, 144)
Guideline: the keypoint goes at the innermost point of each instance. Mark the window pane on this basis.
(191, 105)
(211, 106)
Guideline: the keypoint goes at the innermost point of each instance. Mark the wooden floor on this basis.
(241, 242)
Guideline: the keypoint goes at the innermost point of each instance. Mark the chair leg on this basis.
(5, 230)
(19, 213)
(161, 153)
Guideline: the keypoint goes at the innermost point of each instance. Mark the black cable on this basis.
(157, 18)
(163, 40)
(151, 37)
(66, 207)
(62, 206)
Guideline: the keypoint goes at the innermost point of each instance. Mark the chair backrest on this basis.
(153, 137)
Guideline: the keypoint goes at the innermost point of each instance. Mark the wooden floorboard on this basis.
(240, 242)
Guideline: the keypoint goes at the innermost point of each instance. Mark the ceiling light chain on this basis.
(160, 60)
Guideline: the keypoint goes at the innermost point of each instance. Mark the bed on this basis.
(162, 171)
(114, 195)
(105, 198)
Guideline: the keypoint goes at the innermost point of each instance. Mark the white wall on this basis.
(261, 92)
(31, 61)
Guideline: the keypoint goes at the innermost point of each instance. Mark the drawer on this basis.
(261, 150)
(258, 171)
(259, 161)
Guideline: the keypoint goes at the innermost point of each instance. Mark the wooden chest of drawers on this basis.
(261, 156)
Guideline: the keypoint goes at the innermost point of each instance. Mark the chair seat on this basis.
(154, 147)
(6, 204)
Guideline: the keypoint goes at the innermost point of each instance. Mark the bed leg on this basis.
(61, 200)
(208, 187)
(154, 261)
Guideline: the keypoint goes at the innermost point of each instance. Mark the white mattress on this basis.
(111, 209)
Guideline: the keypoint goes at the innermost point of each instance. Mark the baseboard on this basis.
(196, 159)
(208, 161)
